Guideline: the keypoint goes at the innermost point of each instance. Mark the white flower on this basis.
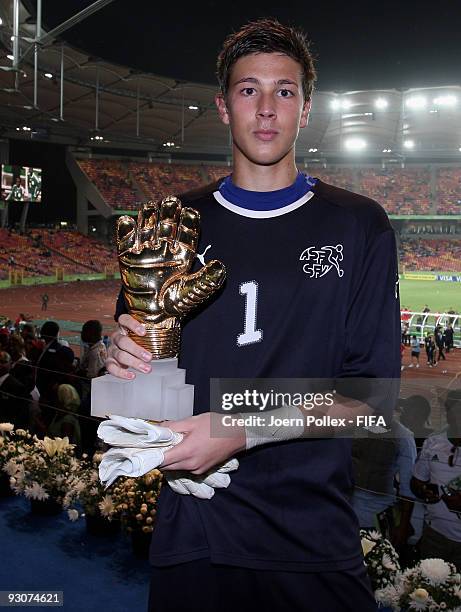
(387, 596)
(367, 546)
(419, 599)
(21, 432)
(437, 571)
(388, 563)
(72, 514)
(6, 426)
(35, 491)
(11, 467)
(106, 506)
(374, 535)
(79, 486)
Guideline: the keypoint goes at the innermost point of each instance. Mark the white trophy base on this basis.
(158, 396)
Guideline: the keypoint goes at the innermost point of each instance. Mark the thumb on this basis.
(187, 292)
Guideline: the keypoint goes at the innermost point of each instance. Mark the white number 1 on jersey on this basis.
(250, 333)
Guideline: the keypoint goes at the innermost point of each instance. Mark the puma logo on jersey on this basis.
(201, 257)
(319, 261)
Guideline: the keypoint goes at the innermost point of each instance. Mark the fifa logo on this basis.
(320, 261)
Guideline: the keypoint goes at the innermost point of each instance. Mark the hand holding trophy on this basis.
(156, 254)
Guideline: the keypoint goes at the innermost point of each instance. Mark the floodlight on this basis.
(336, 104)
(10, 57)
(1, 21)
(193, 107)
(48, 75)
(381, 103)
(346, 104)
(416, 102)
(409, 144)
(355, 144)
(447, 100)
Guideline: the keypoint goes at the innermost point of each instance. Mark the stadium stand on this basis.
(449, 191)
(41, 251)
(155, 180)
(113, 180)
(340, 177)
(430, 255)
(400, 191)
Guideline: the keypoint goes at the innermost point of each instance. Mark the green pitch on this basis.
(440, 296)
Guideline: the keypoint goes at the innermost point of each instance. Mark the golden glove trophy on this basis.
(156, 254)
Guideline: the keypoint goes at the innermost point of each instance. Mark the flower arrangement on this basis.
(135, 499)
(86, 488)
(433, 584)
(381, 559)
(14, 444)
(43, 469)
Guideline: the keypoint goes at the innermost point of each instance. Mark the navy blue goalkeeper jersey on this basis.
(311, 292)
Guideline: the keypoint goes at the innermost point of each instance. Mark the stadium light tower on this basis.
(416, 102)
(381, 103)
(355, 144)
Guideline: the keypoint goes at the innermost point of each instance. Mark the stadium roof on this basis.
(86, 101)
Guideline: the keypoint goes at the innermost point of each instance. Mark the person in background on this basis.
(449, 337)
(383, 465)
(415, 413)
(14, 397)
(21, 368)
(45, 299)
(437, 481)
(440, 342)
(430, 350)
(415, 351)
(95, 351)
(65, 422)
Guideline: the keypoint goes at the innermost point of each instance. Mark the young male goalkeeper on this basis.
(301, 257)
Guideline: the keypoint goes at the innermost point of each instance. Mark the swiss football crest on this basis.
(319, 261)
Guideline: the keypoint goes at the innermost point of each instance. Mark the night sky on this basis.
(358, 45)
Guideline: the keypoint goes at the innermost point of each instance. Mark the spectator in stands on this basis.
(4, 338)
(65, 421)
(415, 351)
(21, 368)
(33, 345)
(47, 367)
(440, 342)
(13, 395)
(94, 352)
(415, 412)
(435, 480)
(380, 461)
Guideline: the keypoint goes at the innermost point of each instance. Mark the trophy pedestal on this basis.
(160, 395)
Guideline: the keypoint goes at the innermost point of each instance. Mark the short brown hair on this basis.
(267, 36)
